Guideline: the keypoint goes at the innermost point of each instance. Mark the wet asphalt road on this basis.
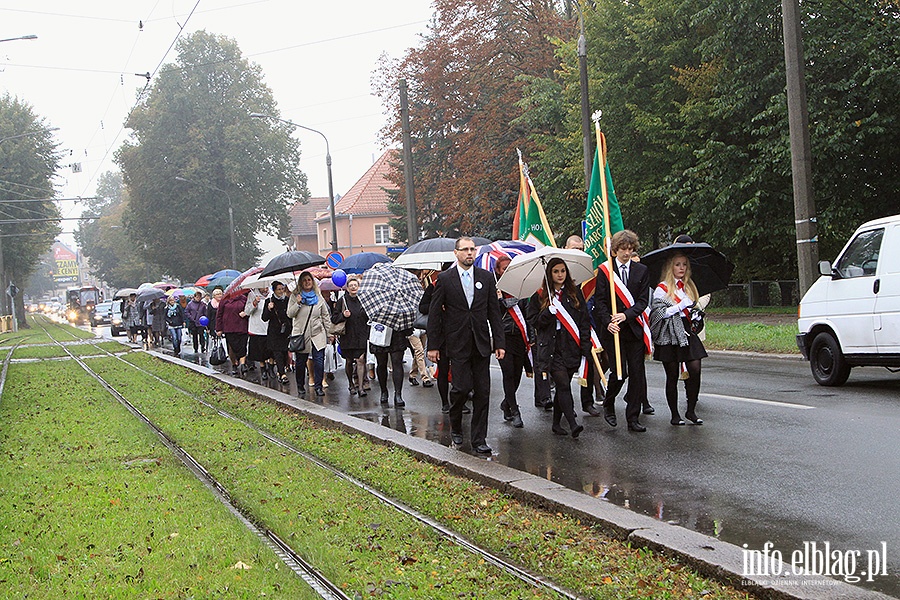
(779, 459)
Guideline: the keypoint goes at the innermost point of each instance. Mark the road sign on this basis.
(334, 259)
(396, 249)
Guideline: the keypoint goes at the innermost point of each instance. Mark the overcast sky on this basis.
(317, 57)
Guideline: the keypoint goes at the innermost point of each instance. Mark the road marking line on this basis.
(757, 401)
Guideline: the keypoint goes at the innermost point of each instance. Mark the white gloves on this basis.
(672, 311)
(683, 305)
(552, 308)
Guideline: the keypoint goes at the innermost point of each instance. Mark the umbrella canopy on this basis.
(526, 272)
(191, 290)
(225, 273)
(295, 260)
(390, 296)
(221, 282)
(431, 253)
(164, 286)
(317, 272)
(203, 281)
(177, 292)
(150, 293)
(326, 285)
(125, 292)
(235, 286)
(710, 270)
(358, 263)
(255, 281)
(145, 285)
(489, 253)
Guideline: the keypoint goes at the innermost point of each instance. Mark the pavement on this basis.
(425, 434)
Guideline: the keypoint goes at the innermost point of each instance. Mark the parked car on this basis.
(102, 314)
(115, 318)
(850, 317)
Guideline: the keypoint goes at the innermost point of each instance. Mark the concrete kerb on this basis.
(713, 558)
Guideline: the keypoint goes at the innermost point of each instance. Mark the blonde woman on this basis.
(675, 341)
(311, 319)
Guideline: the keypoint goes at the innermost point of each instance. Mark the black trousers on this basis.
(563, 401)
(512, 365)
(381, 369)
(471, 374)
(632, 350)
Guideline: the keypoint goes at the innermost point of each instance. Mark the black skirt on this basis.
(258, 349)
(671, 353)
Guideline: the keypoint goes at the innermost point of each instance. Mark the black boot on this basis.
(398, 400)
(384, 397)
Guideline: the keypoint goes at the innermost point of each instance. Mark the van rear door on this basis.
(851, 296)
(887, 299)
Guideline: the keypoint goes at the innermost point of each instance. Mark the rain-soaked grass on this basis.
(752, 337)
(572, 553)
(45, 351)
(92, 505)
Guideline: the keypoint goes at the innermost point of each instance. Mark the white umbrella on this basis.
(125, 292)
(526, 272)
(255, 281)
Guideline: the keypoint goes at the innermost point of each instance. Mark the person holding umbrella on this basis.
(311, 319)
(561, 338)
(192, 313)
(174, 322)
(257, 329)
(279, 328)
(232, 321)
(675, 336)
(131, 315)
(356, 334)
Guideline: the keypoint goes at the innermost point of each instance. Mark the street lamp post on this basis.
(230, 212)
(334, 242)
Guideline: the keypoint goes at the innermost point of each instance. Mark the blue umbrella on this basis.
(363, 261)
(225, 273)
(221, 282)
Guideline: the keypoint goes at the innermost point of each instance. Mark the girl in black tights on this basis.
(676, 344)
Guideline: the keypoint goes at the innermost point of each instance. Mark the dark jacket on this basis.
(460, 329)
(193, 311)
(174, 315)
(159, 316)
(639, 286)
(211, 314)
(556, 348)
(356, 334)
(228, 319)
(277, 317)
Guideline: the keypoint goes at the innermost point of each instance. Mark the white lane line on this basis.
(757, 401)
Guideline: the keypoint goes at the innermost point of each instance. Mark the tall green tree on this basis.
(194, 123)
(29, 159)
(113, 255)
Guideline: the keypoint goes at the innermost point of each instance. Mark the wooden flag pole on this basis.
(601, 154)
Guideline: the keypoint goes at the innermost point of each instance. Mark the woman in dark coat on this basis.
(355, 337)
(555, 350)
(175, 323)
(275, 314)
(443, 363)
(232, 321)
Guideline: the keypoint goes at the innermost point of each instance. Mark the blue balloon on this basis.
(339, 278)
(204, 321)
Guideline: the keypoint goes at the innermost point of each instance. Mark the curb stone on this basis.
(707, 555)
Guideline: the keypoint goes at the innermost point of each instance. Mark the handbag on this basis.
(218, 355)
(296, 343)
(340, 328)
(421, 321)
(697, 321)
(380, 335)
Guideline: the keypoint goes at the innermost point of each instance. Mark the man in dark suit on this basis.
(626, 322)
(464, 301)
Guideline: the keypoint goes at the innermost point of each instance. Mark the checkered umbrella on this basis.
(390, 296)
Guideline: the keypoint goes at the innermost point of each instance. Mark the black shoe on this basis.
(456, 438)
(284, 380)
(234, 371)
(384, 397)
(413, 381)
(693, 418)
(649, 410)
(516, 421)
(428, 383)
(577, 431)
(352, 391)
(301, 391)
(319, 390)
(329, 376)
(264, 374)
(363, 393)
(635, 426)
(548, 405)
(507, 415)
(610, 419)
(676, 420)
(466, 410)
(591, 410)
(559, 430)
(445, 408)
(398, 401)
(243, 369)
(482, 449)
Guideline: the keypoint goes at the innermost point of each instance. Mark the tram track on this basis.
(525, 576)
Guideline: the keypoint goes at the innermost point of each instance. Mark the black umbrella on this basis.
(295, 260)
(148, 294)
(710, 270)
(430, 253)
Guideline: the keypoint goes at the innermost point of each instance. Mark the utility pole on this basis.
(411, 221)
(801, 153)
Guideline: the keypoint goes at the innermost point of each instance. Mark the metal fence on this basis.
(759, 293)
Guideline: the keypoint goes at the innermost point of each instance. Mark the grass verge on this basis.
(47, 351)
(93, 505)
(751, 337)
(574, 554)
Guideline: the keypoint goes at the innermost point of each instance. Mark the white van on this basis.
(850, 317)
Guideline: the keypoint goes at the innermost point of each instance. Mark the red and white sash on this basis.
(519, 319)
(678, 294)
(624, 295)
(568, 323)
